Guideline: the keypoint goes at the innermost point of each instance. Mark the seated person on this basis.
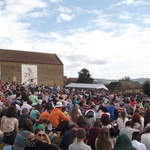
(40, 141)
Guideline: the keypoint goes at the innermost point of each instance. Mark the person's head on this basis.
(74, 126)
(105, 120)
(11, 112)
(59, 105)
(97, 124)
(25, 111)
(136, 136)
(136, 118)
(137, 110)
(45, 122)
(123, 143)
(147, 130)
(104, 133)
(77, 106)
(93, 107)
(25, 97)
(104, 109)
(27, 125)
(39, 134)
(128, 123)
(81, 121)
(81, 134)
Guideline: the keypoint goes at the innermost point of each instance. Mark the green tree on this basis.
(146, 87)
(125, 78)
(84, 76)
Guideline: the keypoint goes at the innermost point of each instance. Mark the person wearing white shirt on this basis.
(122, 120)
(136, 138)
(128, 130)
(145, 138)
(25, 105)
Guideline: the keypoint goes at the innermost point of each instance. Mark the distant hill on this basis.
(107, 81)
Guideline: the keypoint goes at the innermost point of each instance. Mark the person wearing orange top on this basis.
(58, 119)
(46, 113)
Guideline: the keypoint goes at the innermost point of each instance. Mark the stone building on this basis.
(125, 87)
(25, 66)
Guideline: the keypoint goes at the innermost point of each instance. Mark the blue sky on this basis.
(110, 38)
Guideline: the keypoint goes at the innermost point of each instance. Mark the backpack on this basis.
(89, 114)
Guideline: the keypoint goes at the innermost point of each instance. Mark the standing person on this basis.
(58, 119)
(104, 142)
(9, 125)
(23, 135)
(136, 141)
(80, 145)
(123, 143)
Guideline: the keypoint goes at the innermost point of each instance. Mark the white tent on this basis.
(86, 86)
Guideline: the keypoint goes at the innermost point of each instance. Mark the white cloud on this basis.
(147, 21)
(55, 1)
(64, 9)
(129, 3)
(65, 17)
(125, 16)
(108, 49)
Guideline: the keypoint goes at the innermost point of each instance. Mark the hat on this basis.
(59, 104)
(121, 104)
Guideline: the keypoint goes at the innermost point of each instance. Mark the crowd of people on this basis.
(33, 117)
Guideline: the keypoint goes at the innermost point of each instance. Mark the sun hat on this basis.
(59, 104)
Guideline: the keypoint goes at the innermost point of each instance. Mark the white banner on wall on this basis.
(29, 74)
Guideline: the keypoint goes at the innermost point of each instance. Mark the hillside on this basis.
(107, 81)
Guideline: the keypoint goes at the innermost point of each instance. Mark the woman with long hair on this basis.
(104, 142)
(136, 122)
(122, 120)
(9, 125)
(74, 114)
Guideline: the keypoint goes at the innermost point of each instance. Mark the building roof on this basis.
(31, 57)
(86, 86)
(124, 85)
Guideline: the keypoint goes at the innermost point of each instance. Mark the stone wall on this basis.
(47, 74)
